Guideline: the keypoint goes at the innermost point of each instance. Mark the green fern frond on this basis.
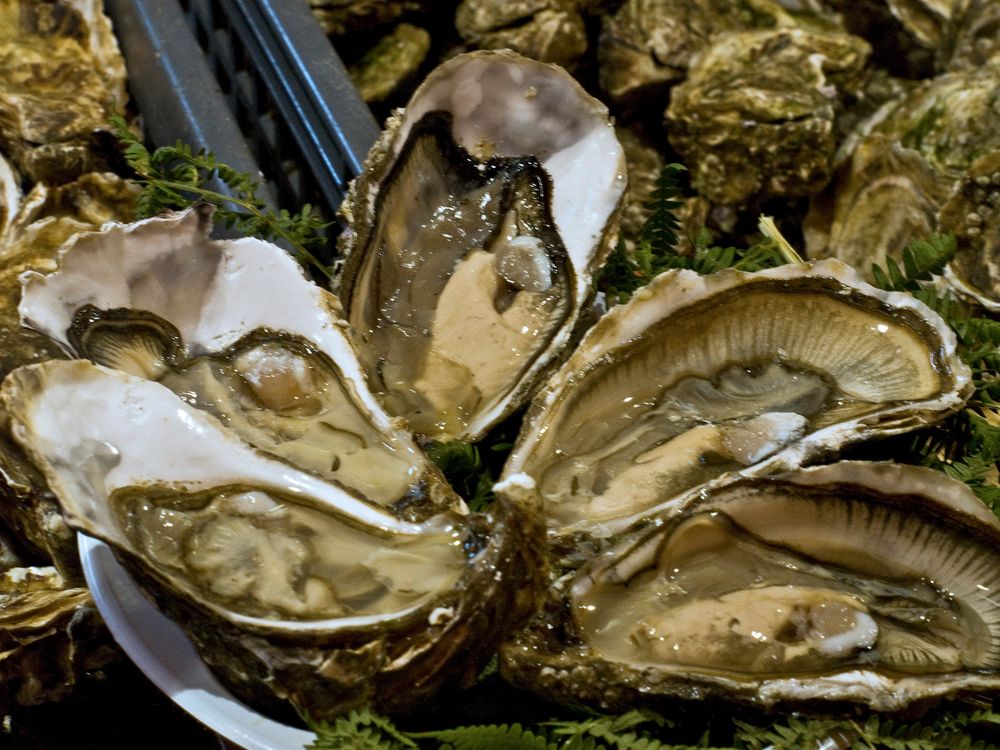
(921, 260)
(359, 730)
(659, 232)
(492, 736)
(175, 177)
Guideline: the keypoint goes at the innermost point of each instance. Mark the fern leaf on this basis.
(921, 260)
(494, 736)
(359, 730)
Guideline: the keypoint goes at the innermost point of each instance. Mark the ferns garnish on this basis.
(657, 248)
(359, 730)
(175, 177)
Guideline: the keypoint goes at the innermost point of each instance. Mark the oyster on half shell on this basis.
(475, 227)
(292, 588)
(697, 378)
(159, 300)
(857, 582)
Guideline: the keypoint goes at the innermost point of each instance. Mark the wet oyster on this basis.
(880, 200)
(972, 214)
(292, 588)
(46, 218)
(61, 78)
(697, 378)
(476, 226)
(648, 45)
(867, 583)
(544, 30)
(755, 118)
(159, 300)
(391, 63)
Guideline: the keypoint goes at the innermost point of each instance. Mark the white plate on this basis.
(166, 656)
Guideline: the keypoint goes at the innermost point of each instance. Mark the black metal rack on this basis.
(254, 81)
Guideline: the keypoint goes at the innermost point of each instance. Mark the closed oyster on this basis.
(976, 38)
(880, 200)
(648, 45)
(544, 30)
(159, 300)
(61, 77)
(755, 118)
(901, 166)
(292, 588)
(950, 120)
(855, 582)
(972, 214)
(391, 63)
(475, 229)
(696, 378)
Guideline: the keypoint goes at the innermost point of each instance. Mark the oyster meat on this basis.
(475, 229)
(697, 377)
(867, 583)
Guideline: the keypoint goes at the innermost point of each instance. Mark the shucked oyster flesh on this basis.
(476, 226)
(868, 583)
(697, 377)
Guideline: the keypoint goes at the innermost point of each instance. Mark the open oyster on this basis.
(868, 583)
(476, 226)
(159, 300)
(291, 587)
(698, 377)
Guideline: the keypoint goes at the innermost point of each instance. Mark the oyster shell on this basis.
(291, 588)
(464, 297)
(62, 76)
(976, 38)
(46, 217)
(158, 299)
(391, 63)
(696, 378)
(544, 30)
(648, 45)
(755, 117)
(880, 200)
(855, 582)
(972, 214)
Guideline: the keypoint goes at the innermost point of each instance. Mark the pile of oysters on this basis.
(250, 444)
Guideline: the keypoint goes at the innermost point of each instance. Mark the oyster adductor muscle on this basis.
(853, 582)
(476, 226)
(697, 378)
(291, 587)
